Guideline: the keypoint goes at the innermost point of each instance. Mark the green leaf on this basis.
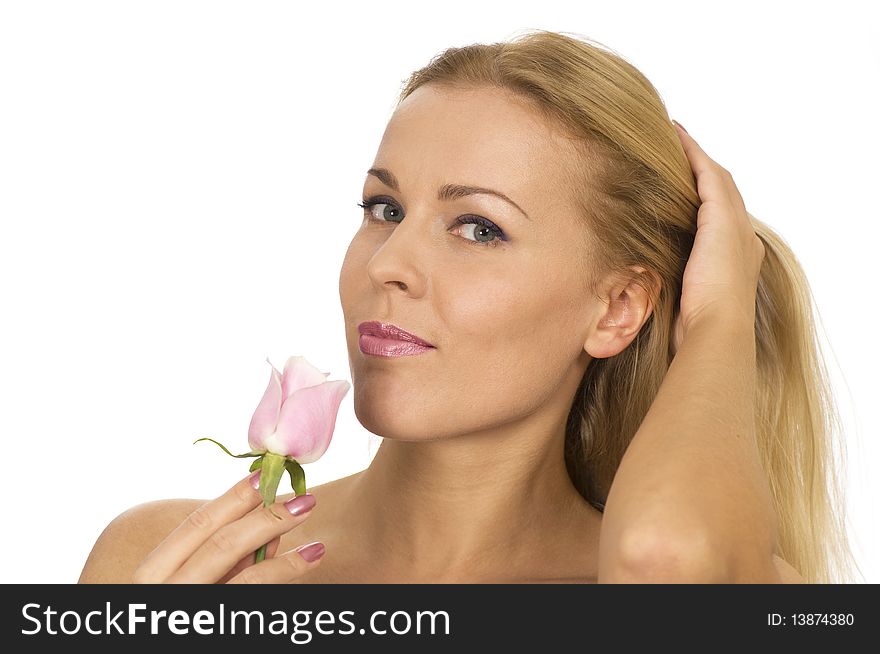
(256, 465)
(237, 456)
(297, 476)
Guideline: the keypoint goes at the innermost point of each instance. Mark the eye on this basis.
(485, 232)
(391, 211)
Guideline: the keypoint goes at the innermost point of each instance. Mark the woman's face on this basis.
(507, 312)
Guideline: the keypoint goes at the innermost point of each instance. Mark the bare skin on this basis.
(469, 484)
(138, 534)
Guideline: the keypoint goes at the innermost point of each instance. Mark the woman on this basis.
(624, 384)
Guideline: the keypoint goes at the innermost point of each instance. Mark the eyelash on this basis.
(463, 220)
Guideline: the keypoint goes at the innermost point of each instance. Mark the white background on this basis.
(177, 190)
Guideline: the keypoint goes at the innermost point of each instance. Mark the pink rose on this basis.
(292, 424)
(297, 414)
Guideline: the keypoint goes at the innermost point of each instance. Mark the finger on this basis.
(180, 544)
(714, 182)
(231, 543)
(250, 559)
(280, 569)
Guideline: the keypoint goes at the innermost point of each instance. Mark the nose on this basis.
(399, 263)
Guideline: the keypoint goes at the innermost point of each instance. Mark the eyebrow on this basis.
(447, 191)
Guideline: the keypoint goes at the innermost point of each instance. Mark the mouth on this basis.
(389, 332)
(387, 340)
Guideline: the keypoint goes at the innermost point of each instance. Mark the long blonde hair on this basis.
(639, 202)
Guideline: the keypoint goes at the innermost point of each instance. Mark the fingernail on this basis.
(312, 551)
(255, 479)
(681, 126)
(300, 504)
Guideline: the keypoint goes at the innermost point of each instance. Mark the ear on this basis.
(623, 307)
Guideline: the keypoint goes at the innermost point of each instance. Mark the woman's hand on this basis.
(721, 276)
(216, 543)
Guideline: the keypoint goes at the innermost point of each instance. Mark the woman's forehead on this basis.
(475, 137)
(471, 119)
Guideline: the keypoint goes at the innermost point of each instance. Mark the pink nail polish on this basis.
(300, 504)
(681, 126)
(312, 551)
(255, 479)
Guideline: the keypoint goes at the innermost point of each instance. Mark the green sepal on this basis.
(237, 456)
(297, 476)
(272, 469)
(256, 465)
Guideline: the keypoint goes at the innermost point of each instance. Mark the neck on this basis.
(475, 504)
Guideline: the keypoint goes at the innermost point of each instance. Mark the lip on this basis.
(387, 340)
(387, 331)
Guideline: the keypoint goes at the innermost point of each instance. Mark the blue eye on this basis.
(482, 226)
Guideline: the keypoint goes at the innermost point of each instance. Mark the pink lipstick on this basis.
(387, 340)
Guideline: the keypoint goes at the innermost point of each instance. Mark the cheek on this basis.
(503, 313)
(511, 347)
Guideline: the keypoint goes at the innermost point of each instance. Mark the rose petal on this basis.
(265, 418)
(299, 373)
(307, 420)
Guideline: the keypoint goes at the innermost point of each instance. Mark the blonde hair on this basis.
(639, 200)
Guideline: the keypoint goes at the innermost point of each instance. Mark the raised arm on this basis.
(690, 501)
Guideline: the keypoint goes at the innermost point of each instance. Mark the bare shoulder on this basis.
(130, 536)
(787, 573)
